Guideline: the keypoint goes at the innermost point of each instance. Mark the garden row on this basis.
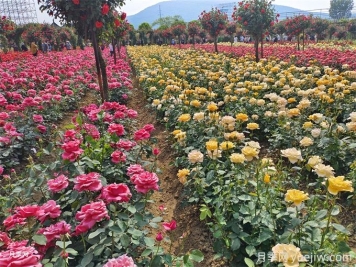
(84, 200)
(266, 149)
(332, 54)
(35, 96)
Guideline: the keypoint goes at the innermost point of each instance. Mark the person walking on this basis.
(111, 49)
(34, 49)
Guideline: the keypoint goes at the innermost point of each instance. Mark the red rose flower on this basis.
(76, 2)
(105, 9)
(57, 184)
(116, 193)
(123, 16)
(99, 24)
(170, 226)
(90, 214)
(145, 181)
(90, 182)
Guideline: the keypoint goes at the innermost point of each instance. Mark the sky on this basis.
(132, 7)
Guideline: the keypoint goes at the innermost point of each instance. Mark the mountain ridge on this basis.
(190, 10)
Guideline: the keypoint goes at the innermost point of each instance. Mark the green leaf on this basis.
(249, 262)
(40, 239)
(95, 233)
(321, 214)
(343, 247)
(48, 265)
(125, 240)
(87, 259)
(235, 244)
(250, 250)
(149, 241)
(196, 255)
(72, 251)
(146, 252)
(340, 228)
(60, 262)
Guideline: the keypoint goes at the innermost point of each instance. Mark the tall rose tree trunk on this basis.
(216, 44)
(101, 70)
(256, 49)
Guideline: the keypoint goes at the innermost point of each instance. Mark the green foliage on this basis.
(340, 9)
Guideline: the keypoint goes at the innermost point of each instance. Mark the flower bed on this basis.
(265, 148)
(89, 205)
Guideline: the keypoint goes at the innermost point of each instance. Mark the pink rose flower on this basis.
(90, 214)
(145, 181)
(57, 184)
(27, 211)
(41, 128)
(49, 210)
(1, 169)
(72, 150)
(141, 134)
(125, 144)
(12, 221)
(116, 193)
(54, 231)
(122, 261)
(4, 239)
(170, 226)
(134, 169)
(118, 129)
(90, 182)
(20, 256)
(131, 113)
(37, 118)
(118, 156)
(149, 128)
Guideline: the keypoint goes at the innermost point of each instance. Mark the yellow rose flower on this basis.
(237, 158)
(195, 103)
(314, 160)
(252, 126)
(175, 132)
(267, 178)
(306, 141)
(337, 184)
(198, 116)
(156, 102)
(242, 117)
(292, 154)
(226, 145)
(182, 175)
(293, 112)
(288, 254)
(195, 156)
(307, 125)
(324, 170)
(184, 117)
(212, 107)
(250, 153)
(296, 196)
(211, 145)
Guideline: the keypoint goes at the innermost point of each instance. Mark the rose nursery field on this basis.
(197, 159)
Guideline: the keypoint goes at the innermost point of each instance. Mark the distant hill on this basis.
(190, 10)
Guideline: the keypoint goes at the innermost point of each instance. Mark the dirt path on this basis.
(191, 233)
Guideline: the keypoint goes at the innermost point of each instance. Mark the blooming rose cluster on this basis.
(144, 181)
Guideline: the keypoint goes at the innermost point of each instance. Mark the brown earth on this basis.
(191, 233)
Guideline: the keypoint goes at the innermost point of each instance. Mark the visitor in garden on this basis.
(111, 49)
(34, 49)
(24, 47)
(45, 47)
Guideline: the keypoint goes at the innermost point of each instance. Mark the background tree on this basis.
(178, 30)
(340, 9)
(143, 29)
(331, 30)
(214, 22)
(167, 22)
(297, 26)
(193, 30)
(318, 27)
(351, 27)
(88, 18)
(203, 35)
(256, 17)
(231, 30)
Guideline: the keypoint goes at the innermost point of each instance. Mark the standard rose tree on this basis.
(89, 18)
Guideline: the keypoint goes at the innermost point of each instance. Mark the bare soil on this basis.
(191, 233)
